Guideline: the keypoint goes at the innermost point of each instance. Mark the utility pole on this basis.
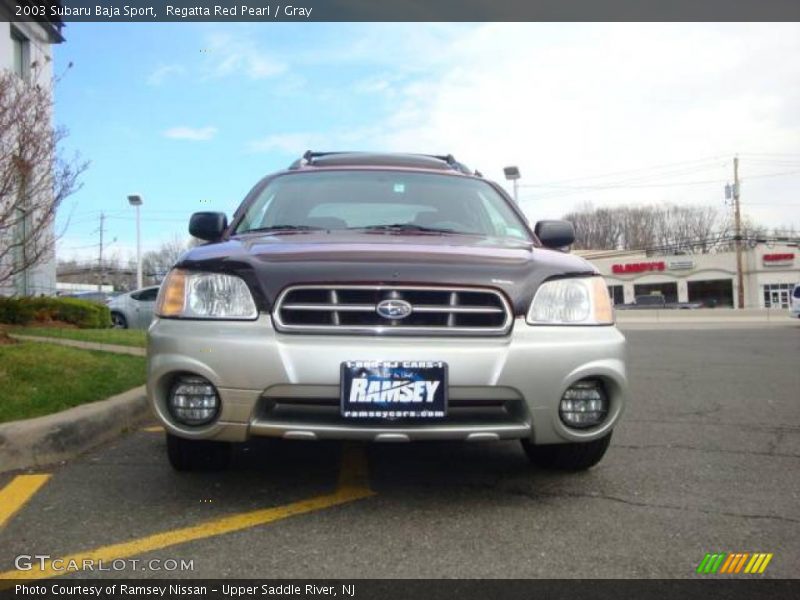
(100, 257)
(738, 225)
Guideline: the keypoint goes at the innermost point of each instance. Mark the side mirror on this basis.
(555, 234)
(208, 226)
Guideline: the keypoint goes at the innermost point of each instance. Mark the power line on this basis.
(772, 174)
(769, 154)
(157, 220)
(632, 180)
(570, 191)
(678, 245)
(78, 247)
(608, 186)
(637, 170)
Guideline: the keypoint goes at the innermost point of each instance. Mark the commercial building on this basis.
(769, 274)
(26, 49)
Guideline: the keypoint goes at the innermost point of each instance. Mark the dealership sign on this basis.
(778, 260)
(641, 267)
(681, 265)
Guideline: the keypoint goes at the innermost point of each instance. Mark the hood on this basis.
(271, 262)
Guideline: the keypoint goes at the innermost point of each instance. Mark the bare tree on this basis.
(34, 180)
(596, 228)
(669, 228)
(750, 231)
(639, 226)
(157, 263)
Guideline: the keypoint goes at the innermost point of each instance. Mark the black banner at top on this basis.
(56, 11)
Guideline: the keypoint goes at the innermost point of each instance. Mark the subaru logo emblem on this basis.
(394, 309)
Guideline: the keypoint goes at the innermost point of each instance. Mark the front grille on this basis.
(305, 411)
(354, 309)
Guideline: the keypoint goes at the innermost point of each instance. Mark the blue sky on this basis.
(190, 116)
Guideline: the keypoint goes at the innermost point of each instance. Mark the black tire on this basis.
(197, 455)
(577, 456)
(118, 321)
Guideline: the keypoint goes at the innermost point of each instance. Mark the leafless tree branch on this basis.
(34, 180)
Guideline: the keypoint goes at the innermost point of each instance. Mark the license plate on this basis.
(404, 389)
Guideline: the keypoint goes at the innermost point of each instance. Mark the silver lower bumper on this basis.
(287, 385)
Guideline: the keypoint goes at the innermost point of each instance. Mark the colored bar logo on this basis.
(750, 563)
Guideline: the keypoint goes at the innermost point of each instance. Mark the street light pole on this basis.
(738, 224)
(136, 200)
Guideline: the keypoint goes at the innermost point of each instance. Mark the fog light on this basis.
(193, 401)
(584, 404)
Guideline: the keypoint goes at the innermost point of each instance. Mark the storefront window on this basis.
(712, 292)
(668, 290)
(776, 295)
(617, 294)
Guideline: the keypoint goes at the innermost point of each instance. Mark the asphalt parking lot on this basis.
(707, 459)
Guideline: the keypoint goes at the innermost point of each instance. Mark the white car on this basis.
(133, 310)
(796, 301)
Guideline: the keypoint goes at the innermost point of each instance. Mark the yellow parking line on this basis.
(352, 486)
(17, 493)
(153, 429)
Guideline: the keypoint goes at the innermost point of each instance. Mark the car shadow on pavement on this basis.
(416, 466)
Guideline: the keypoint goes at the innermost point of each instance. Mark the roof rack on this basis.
(428, 161)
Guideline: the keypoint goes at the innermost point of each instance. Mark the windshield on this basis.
(382, 201)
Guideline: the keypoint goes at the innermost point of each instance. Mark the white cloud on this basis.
(227, 54)
(164, 72)
(289, 143)
(294, 144)
(194, 134)
(375, 85)
(568, 101)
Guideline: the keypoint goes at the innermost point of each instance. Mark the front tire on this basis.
(575, 456)
(118, 321)
(197, 455)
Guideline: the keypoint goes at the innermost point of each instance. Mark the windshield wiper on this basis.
(406, 227)
(279, 228)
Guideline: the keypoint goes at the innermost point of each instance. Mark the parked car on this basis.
(98, 297)
(133, 310)
(386, 298)
(657, 301)
(796, 301)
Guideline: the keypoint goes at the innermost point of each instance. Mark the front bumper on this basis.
(287, 385)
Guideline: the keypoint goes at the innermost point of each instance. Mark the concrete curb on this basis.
(133, 350)
(65, 435)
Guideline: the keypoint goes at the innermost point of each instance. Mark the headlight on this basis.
(574, 301)
(198, 295)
